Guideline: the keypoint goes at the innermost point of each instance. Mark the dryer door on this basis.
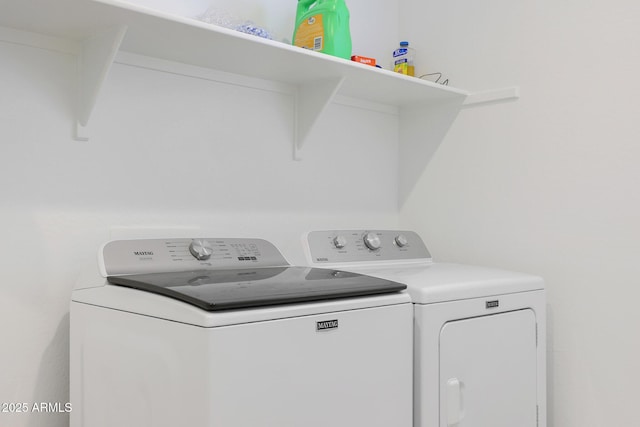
(488, 371)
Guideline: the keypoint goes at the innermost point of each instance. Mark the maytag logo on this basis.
(326, 325)
(493, 304)
(143, 253)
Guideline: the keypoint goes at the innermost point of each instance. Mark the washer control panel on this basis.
(166, 255)
(335, 246)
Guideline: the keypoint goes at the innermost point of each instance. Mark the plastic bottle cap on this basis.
(403, 44)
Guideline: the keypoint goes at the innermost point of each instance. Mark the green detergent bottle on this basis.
(323, 26)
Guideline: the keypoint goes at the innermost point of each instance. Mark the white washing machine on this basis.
(479, 338)
(223, 332)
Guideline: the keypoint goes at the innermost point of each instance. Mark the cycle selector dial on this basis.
(201, 249)
(372, 241)
(339, 242)
(401, 240)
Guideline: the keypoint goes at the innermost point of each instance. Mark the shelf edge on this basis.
(494, 95)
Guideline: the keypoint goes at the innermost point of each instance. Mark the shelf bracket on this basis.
(422, 130)
(311, 100)
(94, 61)
(495, 95)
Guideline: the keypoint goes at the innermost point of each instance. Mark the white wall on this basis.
(167, 151)
(547, 184)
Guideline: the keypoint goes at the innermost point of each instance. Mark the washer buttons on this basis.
(372, 241)
(200, 249)
(401, 240)
(339, 242)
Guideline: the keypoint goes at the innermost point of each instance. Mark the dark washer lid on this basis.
(214, 290)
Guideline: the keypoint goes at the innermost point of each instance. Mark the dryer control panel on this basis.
(336, 246)
(172, 255)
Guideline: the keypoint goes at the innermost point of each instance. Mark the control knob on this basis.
(339, 242)
(200, 249)
(401, 240)
(372, 241)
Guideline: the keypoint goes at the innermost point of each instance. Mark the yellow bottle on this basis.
(403, 58)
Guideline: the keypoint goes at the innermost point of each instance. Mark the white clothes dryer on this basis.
(479, 333)
(224, 332)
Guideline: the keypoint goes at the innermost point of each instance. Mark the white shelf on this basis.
(102, 27)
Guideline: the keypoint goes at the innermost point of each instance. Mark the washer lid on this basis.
(214, 290)
(429, 282)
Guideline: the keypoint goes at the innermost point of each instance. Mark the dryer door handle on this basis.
(455, 402)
